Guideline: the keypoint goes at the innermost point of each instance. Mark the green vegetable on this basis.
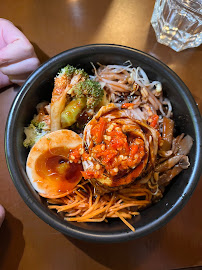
(34, 132)
(91, 90)
(70, 70)
(87, 94)
(72, 111)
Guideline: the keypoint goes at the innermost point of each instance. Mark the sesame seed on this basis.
(110, 128)
(107, 138)
(103, 147)
(97, 167)
(130, 80)
(116, 169)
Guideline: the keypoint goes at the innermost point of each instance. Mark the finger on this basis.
(25, 66)
(18, 81)
(4, 80)
(9, 32)
(3, 25)
(2, 214)
(17, 51)
(18, 77)
(17, 46)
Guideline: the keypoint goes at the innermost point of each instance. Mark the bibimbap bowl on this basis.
(39, 86)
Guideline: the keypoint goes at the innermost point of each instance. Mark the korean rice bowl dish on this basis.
(104, 146)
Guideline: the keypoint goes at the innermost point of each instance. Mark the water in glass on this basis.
(178, 23)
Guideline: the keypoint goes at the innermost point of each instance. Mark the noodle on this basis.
(140, 109)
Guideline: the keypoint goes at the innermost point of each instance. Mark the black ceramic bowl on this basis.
(39, 86)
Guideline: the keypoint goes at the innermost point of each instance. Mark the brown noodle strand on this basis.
(82, 187)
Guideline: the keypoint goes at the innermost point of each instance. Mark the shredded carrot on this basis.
(154, 120)
(90, 215)
(126, 222)
(65, 207)
(90, 196)
(127, 105)
(84, 205)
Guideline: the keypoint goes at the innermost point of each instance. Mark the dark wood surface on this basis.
(26, 242)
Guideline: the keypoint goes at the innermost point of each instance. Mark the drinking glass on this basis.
(178, 23)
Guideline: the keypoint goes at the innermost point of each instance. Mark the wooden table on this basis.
(26, 242)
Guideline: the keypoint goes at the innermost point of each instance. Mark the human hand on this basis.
(17, 56)
(2, 214)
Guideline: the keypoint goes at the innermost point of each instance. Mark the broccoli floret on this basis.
(34, 132)
(91, 90)
(70, 70)
(81, 72)
(38, 125)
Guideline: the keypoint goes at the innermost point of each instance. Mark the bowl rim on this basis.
(47, 216)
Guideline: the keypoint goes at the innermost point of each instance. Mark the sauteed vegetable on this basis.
(106, 145)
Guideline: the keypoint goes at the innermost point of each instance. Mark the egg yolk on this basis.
(58, 174)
